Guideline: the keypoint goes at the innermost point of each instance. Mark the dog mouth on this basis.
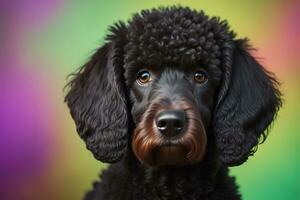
(170, 155)
(156, 144)
(154, 150)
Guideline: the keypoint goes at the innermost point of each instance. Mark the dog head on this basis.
(166, 83)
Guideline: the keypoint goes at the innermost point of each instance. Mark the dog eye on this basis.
(200, 77)
(143, 77)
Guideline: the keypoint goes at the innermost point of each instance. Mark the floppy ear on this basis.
(248, 103)
(97, 101)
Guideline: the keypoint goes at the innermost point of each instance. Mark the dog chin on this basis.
(170, 155)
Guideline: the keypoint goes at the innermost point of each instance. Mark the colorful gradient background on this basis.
(41, 156)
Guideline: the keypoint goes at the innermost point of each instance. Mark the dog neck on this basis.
(174, 182)
(171, 182)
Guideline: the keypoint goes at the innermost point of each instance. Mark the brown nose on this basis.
(170, 122)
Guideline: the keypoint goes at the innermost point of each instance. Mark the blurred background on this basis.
(42, 157)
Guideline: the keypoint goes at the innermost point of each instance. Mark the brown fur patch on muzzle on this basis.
(153, 149)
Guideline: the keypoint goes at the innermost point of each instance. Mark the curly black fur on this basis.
(233, 109)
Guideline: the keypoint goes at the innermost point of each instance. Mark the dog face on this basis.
(167, 82)
(172, 108)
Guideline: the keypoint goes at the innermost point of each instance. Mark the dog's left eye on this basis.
(143, 77)
(200, 77)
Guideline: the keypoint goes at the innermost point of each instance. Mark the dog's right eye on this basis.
(143, 77)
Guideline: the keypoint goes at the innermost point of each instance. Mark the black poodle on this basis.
(172, 99)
